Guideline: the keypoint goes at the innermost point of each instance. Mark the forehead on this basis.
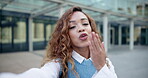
(77, 16)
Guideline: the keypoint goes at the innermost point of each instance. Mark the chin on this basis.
(84, 45)
(81, 44)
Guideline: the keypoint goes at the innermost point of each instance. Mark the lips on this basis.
(83, 36)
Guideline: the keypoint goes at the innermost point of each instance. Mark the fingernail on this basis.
(93, 32)
(92, 35)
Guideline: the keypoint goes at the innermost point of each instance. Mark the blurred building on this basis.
(26, 25)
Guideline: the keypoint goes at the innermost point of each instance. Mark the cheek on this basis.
(72, 35)
(74, 38)
(89, 29)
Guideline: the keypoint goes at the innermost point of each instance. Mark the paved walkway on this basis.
(128, 64)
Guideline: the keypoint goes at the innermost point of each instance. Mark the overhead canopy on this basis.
(118, 11)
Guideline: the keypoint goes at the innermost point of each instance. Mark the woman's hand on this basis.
(97, 51)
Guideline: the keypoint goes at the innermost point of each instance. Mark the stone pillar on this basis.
(105, 31)
(131, 34)
(120, 35)
(30, 35)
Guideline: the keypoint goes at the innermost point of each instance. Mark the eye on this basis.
(85, 24)
(72, 27)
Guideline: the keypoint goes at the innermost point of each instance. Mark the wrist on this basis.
(99, 67)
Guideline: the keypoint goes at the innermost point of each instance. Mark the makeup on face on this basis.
(83, 36)
(79, 29)
(82, 21)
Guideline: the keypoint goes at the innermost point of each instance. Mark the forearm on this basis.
(106, 72)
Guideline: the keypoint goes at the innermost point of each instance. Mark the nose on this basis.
(81, 29)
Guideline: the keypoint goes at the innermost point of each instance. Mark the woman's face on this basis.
(79, 30)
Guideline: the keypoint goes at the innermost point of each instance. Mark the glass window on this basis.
(20, 32)
(13, 34)
(6, 36)
(48, 31)
(38, 32)
(6, 30)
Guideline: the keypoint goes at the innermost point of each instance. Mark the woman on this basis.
(74, 51)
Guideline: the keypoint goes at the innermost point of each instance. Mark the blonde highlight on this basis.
(59, 46)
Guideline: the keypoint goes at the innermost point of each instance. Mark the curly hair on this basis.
(59, 46)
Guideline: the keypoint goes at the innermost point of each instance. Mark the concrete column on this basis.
(131, 34)
(113, 35)
(30, 35)
(120, 35)
(105, 31)
(109, 36)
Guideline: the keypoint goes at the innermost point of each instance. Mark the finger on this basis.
(91, 49)
(101, 44)
(99, 41)
(97, 44)
(89, 37)
(92, 41)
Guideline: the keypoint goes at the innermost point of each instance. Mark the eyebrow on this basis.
(75, 21)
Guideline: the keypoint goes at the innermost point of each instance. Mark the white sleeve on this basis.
(49, 70)
(106, 72)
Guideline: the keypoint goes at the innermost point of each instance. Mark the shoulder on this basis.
(54, 64)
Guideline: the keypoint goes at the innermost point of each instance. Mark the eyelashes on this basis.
(72, 27)
(85, 24)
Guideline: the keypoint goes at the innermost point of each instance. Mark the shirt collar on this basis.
(78, 57)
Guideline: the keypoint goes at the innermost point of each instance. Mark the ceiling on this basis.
(117, 10)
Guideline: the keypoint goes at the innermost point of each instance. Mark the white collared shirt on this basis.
(52, 69)
(105, 72)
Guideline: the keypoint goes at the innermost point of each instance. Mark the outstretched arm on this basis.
(49, 70)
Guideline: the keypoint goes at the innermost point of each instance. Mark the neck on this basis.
(83, 51)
